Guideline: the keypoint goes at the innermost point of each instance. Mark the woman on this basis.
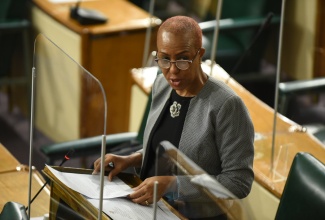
(203, 117)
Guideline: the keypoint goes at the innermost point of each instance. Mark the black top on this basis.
(169, 126)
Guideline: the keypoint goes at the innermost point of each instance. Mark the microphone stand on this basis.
(66, 158)
(264, 25)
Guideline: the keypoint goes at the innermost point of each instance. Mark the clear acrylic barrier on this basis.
(63, 91)
(195, 194)
(285, 147)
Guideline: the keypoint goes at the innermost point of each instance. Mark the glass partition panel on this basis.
(298, 101)
(284, 147)
(63, 91)
(195, 193)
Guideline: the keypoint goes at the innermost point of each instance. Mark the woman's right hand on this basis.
(120, 163)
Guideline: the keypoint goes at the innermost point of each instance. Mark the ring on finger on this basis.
(147, 203)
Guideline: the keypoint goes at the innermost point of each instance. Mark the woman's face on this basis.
(180, 47)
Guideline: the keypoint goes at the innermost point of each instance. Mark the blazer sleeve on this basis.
(235, 138)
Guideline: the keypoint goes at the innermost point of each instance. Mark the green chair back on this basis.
(13, 23)
(303, 196)
(13, 211)
(233, 42)
(4, 8)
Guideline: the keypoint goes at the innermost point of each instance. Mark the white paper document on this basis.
(89, 185)
(115, 203)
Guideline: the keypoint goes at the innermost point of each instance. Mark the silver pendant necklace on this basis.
(175, 109)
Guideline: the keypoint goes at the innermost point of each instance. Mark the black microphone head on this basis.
(87, 16)
(270, 14)
(264, 25)
(268, 19)
(69, 154)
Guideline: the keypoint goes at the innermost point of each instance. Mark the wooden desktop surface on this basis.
(8, 161)
(287, 143)
(14, 185)
(122, 16)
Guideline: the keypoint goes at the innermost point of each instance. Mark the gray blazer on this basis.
(218, 134)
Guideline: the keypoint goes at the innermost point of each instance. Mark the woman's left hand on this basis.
(144, 193)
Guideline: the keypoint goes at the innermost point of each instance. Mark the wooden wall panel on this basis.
(319, 62)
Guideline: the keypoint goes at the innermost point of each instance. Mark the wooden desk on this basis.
(14, 185)
(108, 51)
(77, 202)
(8, 161)
(287, 143)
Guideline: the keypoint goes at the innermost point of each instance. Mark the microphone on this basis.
(87, 16)
(65, 158)
(264, 25)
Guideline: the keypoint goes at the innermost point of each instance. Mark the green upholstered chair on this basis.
(244, 47)
(291, 89)
(301, 101)
(13, 211)
(121, 143)
(239, 23)
(14, 37)
(238, 26)
(303, 196)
